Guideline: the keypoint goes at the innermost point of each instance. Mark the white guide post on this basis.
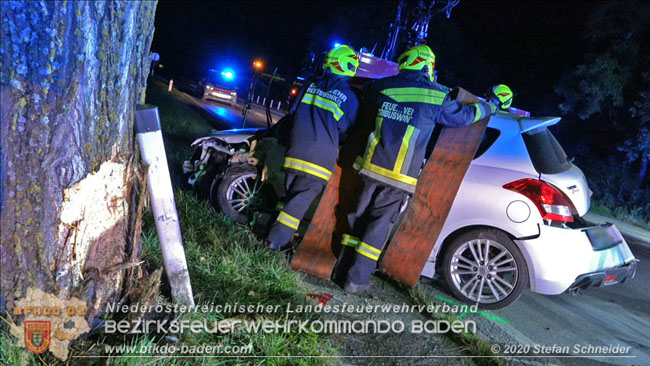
(152, 148)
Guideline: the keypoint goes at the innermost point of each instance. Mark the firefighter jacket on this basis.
(325, 112)
(406, 108)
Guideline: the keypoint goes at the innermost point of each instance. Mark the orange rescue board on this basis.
(408, 251)
(318, 250)
(314, 254)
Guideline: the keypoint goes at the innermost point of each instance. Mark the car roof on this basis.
(525, 124)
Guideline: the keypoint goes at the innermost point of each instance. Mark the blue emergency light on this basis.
(228, 74)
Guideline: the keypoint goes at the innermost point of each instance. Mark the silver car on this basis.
(516, 219)
(219, 93)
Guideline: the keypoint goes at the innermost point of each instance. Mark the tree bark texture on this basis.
(72, 73)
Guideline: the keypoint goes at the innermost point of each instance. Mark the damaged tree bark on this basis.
(71, 76)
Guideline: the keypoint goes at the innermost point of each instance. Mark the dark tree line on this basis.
(607, 97)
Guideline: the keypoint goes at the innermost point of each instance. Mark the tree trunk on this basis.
(71, 76)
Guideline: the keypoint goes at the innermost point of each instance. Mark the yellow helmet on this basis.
(416, 58)
(342, 60)
(503, 94)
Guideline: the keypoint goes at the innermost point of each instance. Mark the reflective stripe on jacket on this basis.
(326, 111)
(407, 107)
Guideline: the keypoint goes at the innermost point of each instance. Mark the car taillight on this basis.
(550, 202)
(611, 278)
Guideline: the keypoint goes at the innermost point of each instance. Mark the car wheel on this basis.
(485, 266)
(202, 179)
(240, 193)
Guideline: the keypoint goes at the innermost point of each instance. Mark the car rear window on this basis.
(546, 153)
(488, 139)
(490, 136)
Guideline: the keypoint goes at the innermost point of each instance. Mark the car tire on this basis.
(500, 278)
(203, 187)
(240, 193)
(203, 184)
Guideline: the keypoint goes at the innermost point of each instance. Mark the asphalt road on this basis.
(617, 315)
(231, 117)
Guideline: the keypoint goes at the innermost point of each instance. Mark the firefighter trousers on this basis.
(377, 210)
(300, 193)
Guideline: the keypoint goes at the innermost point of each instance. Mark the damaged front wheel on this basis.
(240, 193)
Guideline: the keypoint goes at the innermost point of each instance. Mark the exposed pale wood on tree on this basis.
(72, 73)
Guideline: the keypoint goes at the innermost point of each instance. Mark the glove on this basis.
(493, 108)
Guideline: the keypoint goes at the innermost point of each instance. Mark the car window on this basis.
(489, 137)
(547, 155)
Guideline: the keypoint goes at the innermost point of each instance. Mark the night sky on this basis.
(527, 45)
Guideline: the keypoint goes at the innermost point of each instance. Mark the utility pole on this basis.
(269, 120)
(258, 66)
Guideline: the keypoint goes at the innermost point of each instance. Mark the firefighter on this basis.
(324, 114)
(405, 108)
(501, 95)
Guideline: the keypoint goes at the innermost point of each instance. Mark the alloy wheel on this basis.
(484, 271)
(243, 193)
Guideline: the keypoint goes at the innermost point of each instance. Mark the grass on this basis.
(180, 124)
(634, 216)
(13, 355)
(228, 265)
(615, 191)
(177, 118)
(471, 343)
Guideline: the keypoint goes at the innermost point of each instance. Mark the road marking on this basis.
(482, 313)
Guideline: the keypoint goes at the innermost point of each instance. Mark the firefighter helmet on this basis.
(503, 95)
(416, 58)
(342, 60)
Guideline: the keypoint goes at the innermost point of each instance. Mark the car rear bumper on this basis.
(220, 96)
(560, 258)
(608, 277)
